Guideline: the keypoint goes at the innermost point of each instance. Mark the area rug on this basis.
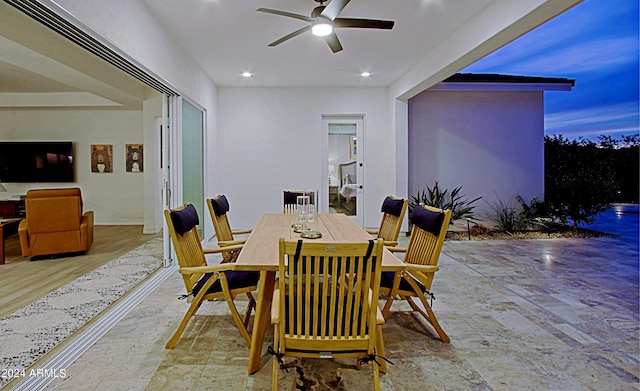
(31, 332)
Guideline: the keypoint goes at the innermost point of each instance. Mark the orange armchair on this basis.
(55, 223)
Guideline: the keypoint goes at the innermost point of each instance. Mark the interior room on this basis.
(342, 162)
(113, 77)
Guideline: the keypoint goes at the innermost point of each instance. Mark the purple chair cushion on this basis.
(220, 205)
(427, 220)
(235, 279)
(184, 220)
(392, 207)
(291, 197)
(386, 281)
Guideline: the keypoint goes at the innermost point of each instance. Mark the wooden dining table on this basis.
(261, 252)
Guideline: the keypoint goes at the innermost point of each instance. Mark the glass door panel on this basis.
(193, 159)
(344, 166)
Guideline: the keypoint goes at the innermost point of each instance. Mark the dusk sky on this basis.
(595, 43)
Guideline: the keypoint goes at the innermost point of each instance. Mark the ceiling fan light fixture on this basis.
(322, 27)
(324, 19)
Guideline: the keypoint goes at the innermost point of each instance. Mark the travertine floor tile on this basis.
(522, 315)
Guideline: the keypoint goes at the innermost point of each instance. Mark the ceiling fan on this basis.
(324, 20)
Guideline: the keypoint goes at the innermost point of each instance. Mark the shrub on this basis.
(538, 214)
(461, 208)
(507, 217)
(579, 183)
(535, 210)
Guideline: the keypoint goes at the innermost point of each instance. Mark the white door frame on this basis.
(171, 191)
(358, 120)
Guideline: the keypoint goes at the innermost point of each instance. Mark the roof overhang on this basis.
(497, 82)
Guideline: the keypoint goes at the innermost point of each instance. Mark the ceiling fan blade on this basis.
(334, 42)
(333, 9)
(364, 23)
(289, 36)
(285, 13)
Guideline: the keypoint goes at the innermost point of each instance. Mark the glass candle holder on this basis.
(302, 206)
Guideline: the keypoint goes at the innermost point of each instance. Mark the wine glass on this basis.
(302, 203)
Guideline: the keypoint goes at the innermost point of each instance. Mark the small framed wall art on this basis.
(134, 161)
(101, 158)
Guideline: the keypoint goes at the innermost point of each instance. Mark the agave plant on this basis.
(460, 206)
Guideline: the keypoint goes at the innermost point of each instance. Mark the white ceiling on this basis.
(228, 37)
(40, 68)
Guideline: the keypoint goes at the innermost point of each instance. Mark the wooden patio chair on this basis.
(218, 209)
(207, 282)
(421, 259)
(393, 210)
(290, 198)
(325, 303)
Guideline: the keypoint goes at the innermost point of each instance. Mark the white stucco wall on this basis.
(271, 139)
(115, 198)
(490, 142)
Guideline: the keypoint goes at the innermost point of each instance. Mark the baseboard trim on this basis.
(118, 222)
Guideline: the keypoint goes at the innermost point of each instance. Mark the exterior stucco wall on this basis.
(489, 142)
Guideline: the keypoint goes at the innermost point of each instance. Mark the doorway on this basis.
(344, 169)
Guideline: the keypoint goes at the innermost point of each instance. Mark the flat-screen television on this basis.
(36, 161)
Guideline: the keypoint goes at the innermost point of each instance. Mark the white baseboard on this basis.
(118, 222)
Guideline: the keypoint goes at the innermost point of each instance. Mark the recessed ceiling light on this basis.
(247, 74)
(365, 74)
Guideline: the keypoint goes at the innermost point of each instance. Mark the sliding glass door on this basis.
(182, 150)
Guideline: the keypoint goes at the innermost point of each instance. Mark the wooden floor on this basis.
(23, 281)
